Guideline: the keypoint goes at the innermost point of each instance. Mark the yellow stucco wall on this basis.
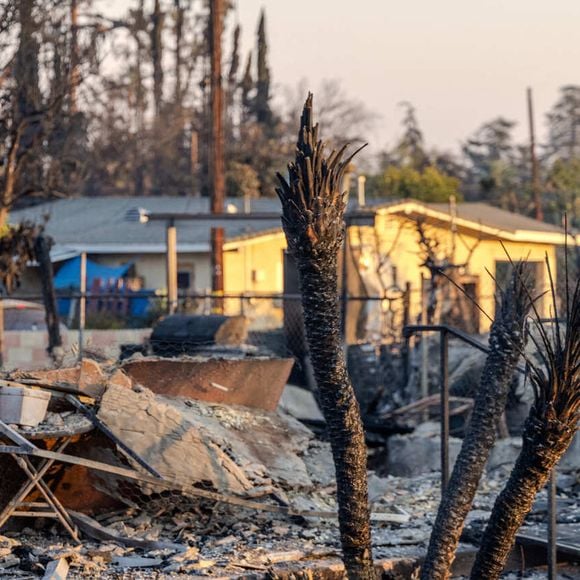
(397, 237)
(255, 265)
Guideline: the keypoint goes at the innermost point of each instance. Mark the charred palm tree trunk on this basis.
(549, 430)
(506, 342)
(313, 220)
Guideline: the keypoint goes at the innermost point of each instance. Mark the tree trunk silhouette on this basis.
(42, 252)
(506, 342)
(313, 220)
(548, 433)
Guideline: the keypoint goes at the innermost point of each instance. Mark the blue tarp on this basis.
(69, 275)
(68, 278)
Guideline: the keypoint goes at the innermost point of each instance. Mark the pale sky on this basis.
(460, 62)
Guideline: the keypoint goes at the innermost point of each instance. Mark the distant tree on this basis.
(246, 87)
(564, 124)
(563, 191)
(344, 119)
(408, 171)
(447, 164)
(490, 154)
(429, 185)
(42, 133)
(242, 181)
(410, 150)
(262, 99)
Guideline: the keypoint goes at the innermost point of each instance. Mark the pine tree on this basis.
(247, 86)
(262, 100)
(564, 124)
(410, 151)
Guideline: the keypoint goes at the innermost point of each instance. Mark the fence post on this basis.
(82, 303)
(406, 337)
(344, 288)
(424, 348)
(2, 341)
(444, 374)
(552, 528)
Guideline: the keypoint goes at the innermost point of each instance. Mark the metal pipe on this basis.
(552, 528)
(82, 302)
(344, 285)
(352, 216)
(444, 375)
(424, 348)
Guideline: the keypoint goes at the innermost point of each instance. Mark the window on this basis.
(185, 277)
(183, 280)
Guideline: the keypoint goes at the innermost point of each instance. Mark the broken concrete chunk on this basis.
(300, 403)
(411, 455)
(56, 570)
(9, 561)
(231, 449)
(504, 452)
(136, 562)
(119, 379)
(86, 378)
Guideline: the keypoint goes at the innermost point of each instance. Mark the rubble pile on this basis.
(221, 541)
(270, 510)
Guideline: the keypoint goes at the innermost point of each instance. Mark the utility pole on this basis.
(74, 56)
(216, 154)
(539, 214)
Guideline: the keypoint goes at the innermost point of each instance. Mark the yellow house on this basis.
(477, 242)
(385, 258)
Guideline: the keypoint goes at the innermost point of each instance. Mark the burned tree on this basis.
(548, 433)
(42, 245)
(506, 343)
(444, 274)
(19, 246)
(313, 207)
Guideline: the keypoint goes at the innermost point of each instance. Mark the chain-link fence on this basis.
(273, 322)
(120, 324)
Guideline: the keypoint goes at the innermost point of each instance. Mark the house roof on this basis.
(99, 224)
(486, 220)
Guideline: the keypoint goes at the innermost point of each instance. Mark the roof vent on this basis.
(137, 214)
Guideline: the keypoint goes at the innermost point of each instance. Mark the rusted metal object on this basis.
(255, 382)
